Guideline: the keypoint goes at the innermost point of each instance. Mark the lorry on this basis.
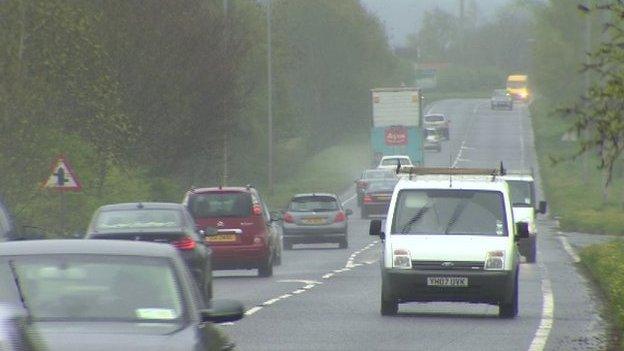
(518, 87)
(397, 123)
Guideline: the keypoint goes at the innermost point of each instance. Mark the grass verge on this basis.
(605, 263)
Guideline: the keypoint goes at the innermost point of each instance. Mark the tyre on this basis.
(344, 243)
(510, 310)
(389, 305)
(364, 213)
(531, 254)
(278, 257)
(288, 245)
(266, 268)
(207, 291)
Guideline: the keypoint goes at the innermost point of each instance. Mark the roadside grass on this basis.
(331, 170)
(574, 190)
(605, 263)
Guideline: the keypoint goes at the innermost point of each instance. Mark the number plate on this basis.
(447, 281)
(220, 238)
(314, 220)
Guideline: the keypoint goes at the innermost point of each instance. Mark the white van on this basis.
(450, 236)
(523, 201)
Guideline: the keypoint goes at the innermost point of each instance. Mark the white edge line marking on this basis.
(298, 291)
(285, 296)
(307, 282)
(546, 323)
(328, 275)
(569, 249)
(252, 310)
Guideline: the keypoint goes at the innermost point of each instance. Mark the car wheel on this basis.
(510, 310)
(207, 291)
(344, 243)
(532, 251)
(389, 305)
(278, 257)
(266, 267)
(288, 245)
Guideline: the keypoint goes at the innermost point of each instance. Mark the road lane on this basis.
(341, 311)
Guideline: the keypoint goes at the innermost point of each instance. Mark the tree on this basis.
(600, 112)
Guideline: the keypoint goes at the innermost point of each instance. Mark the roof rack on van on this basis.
(415, 170)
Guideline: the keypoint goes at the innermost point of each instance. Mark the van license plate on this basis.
(447, 281)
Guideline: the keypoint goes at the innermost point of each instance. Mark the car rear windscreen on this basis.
(313, 204)
(434, 118)
(138, 218)
(220, 204)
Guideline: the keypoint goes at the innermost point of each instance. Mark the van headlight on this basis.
(494, 260)
(401, 258)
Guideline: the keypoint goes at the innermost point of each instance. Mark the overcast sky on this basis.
(402, 17)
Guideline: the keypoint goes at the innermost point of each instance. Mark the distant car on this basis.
(168, 223)
(370, 175)
(432, 140)
(112, 295)
(438, 121)
(17, 332)
(377, 197)
(247, 236)
(501, 98)
(315, 218)
(391, 162)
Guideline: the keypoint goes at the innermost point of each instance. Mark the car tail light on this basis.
(256, 209)
(368, 199)
(186, 243)
(288, 218)
(340, 217)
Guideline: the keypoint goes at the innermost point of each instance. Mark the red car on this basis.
(247, 237)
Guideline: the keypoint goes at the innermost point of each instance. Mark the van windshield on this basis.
(450, 211)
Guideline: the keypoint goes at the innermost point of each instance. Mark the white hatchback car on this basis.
(450, 237)
(391, 162)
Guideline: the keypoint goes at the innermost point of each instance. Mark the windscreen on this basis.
(395, 161)
(381, 185)
(220, 204)
(442, 211)
(99, 288)
(500, 93)
(516, 84)
(521, 193)
(434, 118)
(379, 174)
(313, 204)
(138, 218)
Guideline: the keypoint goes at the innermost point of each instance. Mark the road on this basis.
(325, 298)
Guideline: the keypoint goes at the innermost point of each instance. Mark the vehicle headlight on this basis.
(401, 258)
(494, 260)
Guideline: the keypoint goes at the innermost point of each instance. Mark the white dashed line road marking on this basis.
(252, 310)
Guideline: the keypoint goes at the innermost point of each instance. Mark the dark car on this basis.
(370, 175)
(159, 222)
(377, 198)
(501, 98)
(88, 295)
(315, 218)
(247, 236)
(17, 333)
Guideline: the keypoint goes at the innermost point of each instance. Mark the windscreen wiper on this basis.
(456, 212)
(18, 285)
(414, 219)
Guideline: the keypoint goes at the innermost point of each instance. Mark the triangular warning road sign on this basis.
(62, 176)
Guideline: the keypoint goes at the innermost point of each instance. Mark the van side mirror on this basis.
(542, 207)
(222, 311)
(375, 228)
(522, 230)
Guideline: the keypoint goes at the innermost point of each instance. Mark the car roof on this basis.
(394, 156)
(315, 194)
(519, 177)
(456, 182)
(89, 247)
(435, 114)
(142, 205)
